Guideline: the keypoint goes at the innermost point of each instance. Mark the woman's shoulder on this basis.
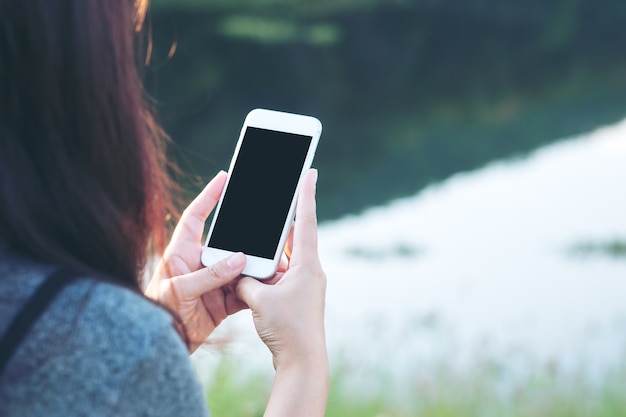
(100, 311)
(94, 347)
(120, 313)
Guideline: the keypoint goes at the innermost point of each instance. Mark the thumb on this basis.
(193, 285)
(248, 289)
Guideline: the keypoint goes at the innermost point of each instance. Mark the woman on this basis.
(83, 195)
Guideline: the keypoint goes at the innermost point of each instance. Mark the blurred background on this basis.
(471, 191)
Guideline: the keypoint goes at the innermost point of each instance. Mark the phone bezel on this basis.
(257, 267)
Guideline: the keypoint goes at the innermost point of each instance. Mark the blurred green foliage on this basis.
(486, 389)
(409, 92)
(288, 6)
(615, 248)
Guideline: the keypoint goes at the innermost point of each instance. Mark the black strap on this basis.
(29, 314)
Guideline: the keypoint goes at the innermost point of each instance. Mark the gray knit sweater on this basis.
(98, 350)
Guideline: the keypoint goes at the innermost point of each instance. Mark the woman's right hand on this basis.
(288, 313)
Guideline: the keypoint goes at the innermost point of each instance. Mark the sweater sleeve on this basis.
(163, 383)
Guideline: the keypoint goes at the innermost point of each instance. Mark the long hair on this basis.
(83, 175)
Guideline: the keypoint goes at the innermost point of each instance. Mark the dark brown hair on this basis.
(83, 176)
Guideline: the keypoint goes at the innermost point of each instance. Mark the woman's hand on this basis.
(201, 296)
(288, 313)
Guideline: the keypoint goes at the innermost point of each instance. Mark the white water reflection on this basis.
(479, 265)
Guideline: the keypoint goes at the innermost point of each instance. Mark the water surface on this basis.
(487, 263)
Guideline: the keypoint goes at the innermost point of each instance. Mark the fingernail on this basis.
(315, 174)
(236, 261)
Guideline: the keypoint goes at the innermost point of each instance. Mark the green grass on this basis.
(487, 389)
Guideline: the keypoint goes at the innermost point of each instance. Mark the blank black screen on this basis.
(262, 184)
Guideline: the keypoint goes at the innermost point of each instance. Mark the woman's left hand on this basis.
(201, 296)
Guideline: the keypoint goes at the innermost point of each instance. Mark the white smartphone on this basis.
(256, 209)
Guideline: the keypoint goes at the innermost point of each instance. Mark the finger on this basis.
(248, 289)
(233, 304)
(305, 229)
(191, 224)
(174, 265)
(193, 285)
(283, 263)
(289, 243)
(275, 279)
